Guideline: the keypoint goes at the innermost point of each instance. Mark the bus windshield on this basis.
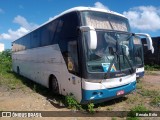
(114, 52)
(138, 51)
(100, 20)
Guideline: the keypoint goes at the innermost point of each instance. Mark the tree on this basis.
(5, 60)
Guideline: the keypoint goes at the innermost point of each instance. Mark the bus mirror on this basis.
(91, 36)
(148, 39)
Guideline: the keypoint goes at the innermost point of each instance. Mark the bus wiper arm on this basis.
(129, 63)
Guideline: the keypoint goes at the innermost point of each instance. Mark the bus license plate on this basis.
(121, 92)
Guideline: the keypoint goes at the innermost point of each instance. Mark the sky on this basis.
(17, 17)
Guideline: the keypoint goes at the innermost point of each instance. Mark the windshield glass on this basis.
(138, 51)
(101, 20)
(114, 52)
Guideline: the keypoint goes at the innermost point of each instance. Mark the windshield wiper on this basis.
(116, 53)
(107, 74)
(129, 63)
(124, 56)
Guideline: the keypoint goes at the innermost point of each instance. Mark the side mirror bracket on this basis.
(148, 39)
(91, 35)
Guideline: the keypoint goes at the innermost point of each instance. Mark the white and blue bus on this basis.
(139, 55)
(88, 52)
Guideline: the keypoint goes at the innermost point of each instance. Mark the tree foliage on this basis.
(5, 60)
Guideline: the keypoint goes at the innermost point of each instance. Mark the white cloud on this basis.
(100, 5)
(12, 35)
(144, 17)
(24, 23)
(24, 28)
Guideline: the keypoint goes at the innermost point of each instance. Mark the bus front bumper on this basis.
(101, 95)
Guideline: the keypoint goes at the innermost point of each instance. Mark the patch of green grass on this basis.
(153, 67)
(9, 80)
(109, 108)
(154, 95)
(149, 93)
(71, 103)
(131, 99)
(139, 84)
(151, 72)
(133, 118)
(114, 118)
(7, 77)
(137, 109)
(91, 108)
(155, 100)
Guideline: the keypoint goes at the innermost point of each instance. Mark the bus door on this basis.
(67, 35)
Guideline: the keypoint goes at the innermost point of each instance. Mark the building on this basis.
(1, 47)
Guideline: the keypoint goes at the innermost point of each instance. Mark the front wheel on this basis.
(54, 85)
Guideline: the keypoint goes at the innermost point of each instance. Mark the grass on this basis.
(132, 99)
(137, 109)
(153, 95)
(155, 101)
(149, 93)
(153, 67)
(91, 108)
(71, 103)
(139, 84)
(114, 118)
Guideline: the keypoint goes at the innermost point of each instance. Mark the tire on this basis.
(54, 85)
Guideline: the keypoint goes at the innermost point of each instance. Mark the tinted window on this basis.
(48, 32)
(27, 41)
(35, 39)
(67, 36)
(67, 27)
(41, 37)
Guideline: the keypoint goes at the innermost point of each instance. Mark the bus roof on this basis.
(81, 8)
(89, 9)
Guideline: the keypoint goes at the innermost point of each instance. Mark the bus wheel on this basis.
(18, 70)
(54, 84)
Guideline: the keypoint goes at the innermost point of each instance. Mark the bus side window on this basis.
(35, 39)
(67, 36)
(48, 33)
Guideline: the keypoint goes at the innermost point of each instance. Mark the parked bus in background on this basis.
(139, 54)
(152, 58)
(88, 52)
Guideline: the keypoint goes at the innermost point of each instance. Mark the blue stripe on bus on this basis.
(98, 95)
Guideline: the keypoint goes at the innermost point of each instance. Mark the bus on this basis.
(87, 52)
(139, 54)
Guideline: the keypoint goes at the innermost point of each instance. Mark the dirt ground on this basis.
(29, 100)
